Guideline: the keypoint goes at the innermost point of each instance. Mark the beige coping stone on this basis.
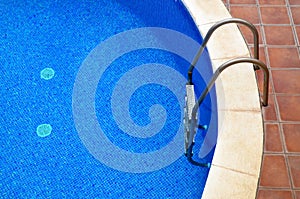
(228, 184)
(225, 42)
(236, 87)
(238, 155)
(240, 144)
(210, 10)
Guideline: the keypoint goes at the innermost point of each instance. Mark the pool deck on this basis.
(255, 150)
(278, 22)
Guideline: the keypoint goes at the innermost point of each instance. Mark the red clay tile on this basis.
(242, 1)
(249, 13)
(262, 54)
(289, 107)
(279, 35)
(294, 2)
(247, 33)
(286, 81)
(269, 112)
(274, 194)
(296, 15)
(297, 194)
(294, 162)
(274, 15)
(298, 32)
(272, 138)
(272, 2)
(260, 82)
(284, 57)
(274, 172)
(292, 137)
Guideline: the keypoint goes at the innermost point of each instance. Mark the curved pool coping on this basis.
(237, 159)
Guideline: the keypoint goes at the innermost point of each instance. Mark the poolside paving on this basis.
(278, 23)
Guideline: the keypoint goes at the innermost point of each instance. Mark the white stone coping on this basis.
(237, 160)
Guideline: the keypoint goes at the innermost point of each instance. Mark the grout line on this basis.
(289, 174)
(274, 188)
(293, 69)
(279, 121)
(234, 170)
(290, 14)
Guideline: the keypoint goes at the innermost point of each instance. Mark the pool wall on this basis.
(238, 154)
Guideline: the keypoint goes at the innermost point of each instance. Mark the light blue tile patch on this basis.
(47, 73)
(44, 130)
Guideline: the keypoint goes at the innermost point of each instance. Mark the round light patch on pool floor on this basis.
(47, 73)
(44, 130)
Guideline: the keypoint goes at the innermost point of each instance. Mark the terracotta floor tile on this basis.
(294, 2)
(242, 1)
(279, 35)
(297, 194)
(294, 163)
(260, 82)
(272, 138)
(284, 57)
(292, 137)
(249, 13)
(298, 32)
(286, 81)
(270, 15)
(262, 54)
(296, 15)
(272, 2)
(247, 33)
(274, 194)
(274, 172)
(269, 112)
(289, 107)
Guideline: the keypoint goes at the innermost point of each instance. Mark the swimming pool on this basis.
(48, 50)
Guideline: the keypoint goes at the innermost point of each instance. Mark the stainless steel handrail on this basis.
(193, 122)
(212, 30)
(226, 65)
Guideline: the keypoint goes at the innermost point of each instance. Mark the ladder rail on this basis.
(193, 121)
(227, 64)
(212, 30)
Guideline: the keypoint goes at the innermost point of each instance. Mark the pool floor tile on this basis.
(274, 172)
(274, 194)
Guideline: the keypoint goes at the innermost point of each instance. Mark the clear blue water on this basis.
(60, 35)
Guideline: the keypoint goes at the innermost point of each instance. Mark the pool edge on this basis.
(232, 175)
